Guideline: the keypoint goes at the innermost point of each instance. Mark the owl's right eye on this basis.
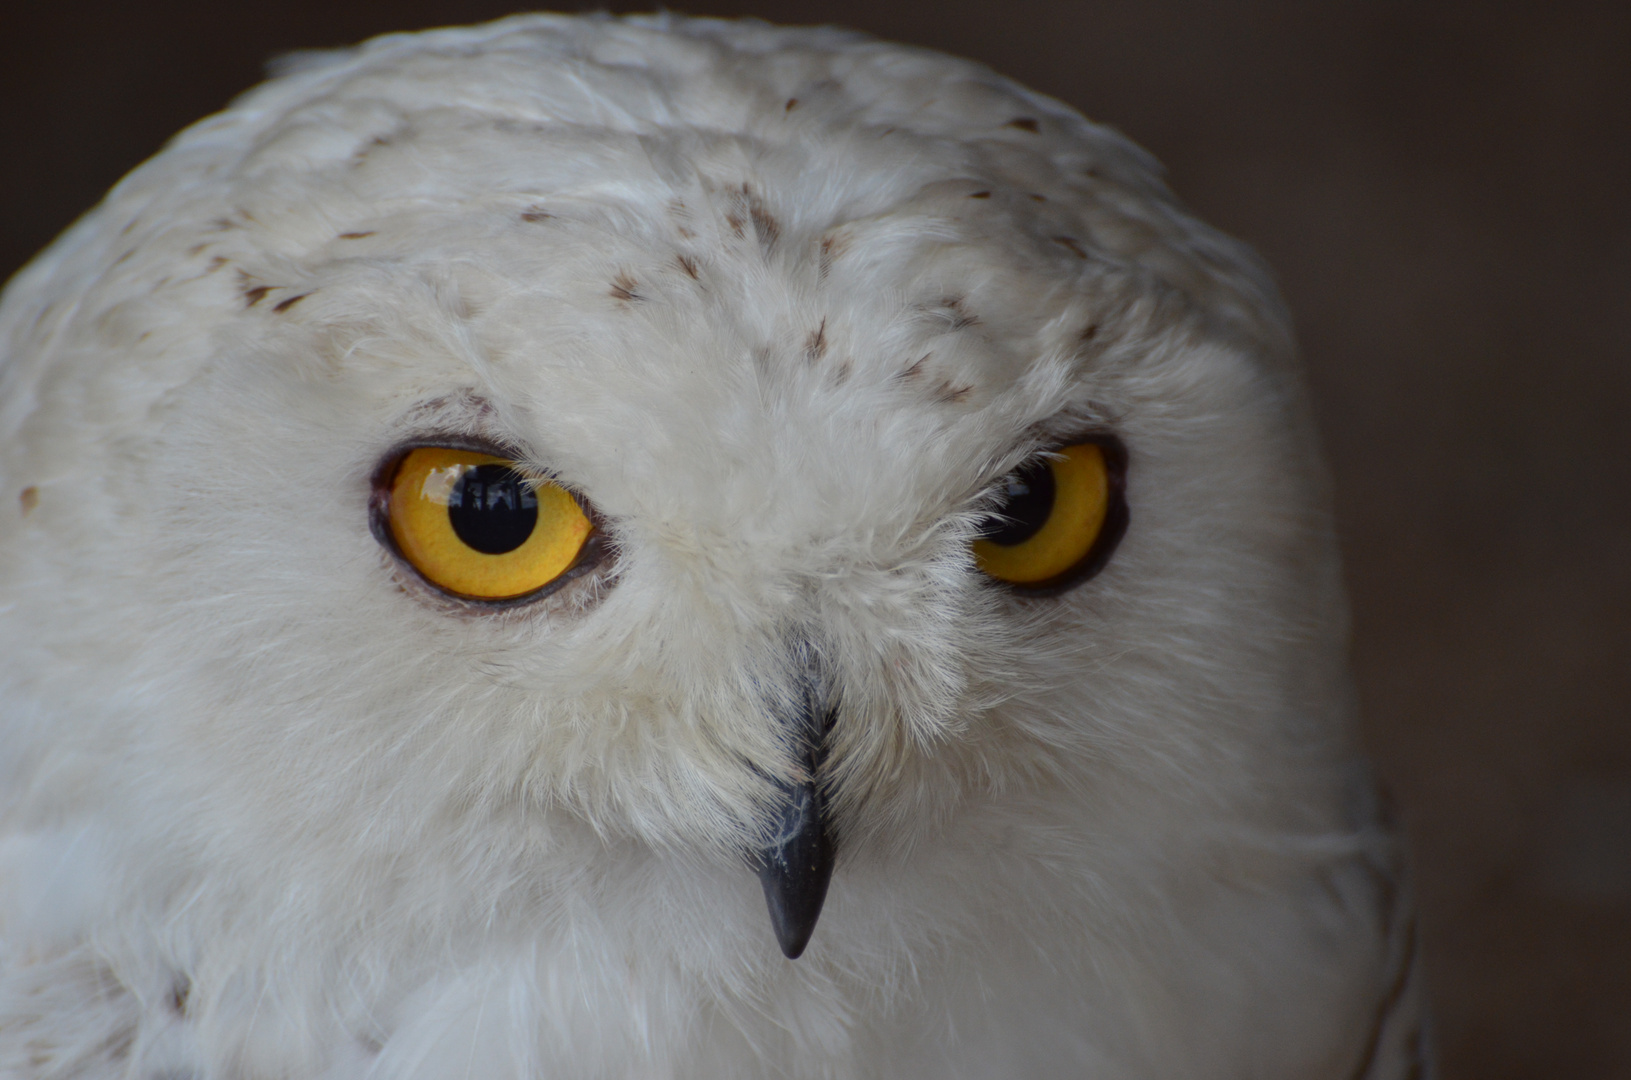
(1060, 519)
(473, 526)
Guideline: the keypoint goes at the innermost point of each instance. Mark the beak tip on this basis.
(793, 943)
(795, 900)
(795, 875)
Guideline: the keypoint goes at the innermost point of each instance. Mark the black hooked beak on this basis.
(796, 863)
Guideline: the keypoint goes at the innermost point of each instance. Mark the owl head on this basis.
(620, 470)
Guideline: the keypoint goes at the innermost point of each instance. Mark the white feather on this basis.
(784, 304)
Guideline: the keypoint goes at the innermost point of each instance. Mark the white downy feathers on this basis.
(785, 307)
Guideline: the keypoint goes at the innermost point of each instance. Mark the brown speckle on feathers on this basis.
(816, 347)
(916, 367)
(1073, 245)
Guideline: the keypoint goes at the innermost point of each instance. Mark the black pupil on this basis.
(1027, 503)
(493, 509)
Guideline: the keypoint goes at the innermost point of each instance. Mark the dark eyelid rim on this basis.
(596, 547)
(1116, 519)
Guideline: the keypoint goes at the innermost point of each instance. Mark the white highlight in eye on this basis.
(439, 484)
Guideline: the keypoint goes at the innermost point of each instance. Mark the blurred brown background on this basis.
(1445, 191)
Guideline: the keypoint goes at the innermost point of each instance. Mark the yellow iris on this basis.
(474, 527)
(1054, 515)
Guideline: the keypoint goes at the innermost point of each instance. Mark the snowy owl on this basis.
(666, 548)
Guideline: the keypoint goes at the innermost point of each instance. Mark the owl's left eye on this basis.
(474, 526)
(1059, 521)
